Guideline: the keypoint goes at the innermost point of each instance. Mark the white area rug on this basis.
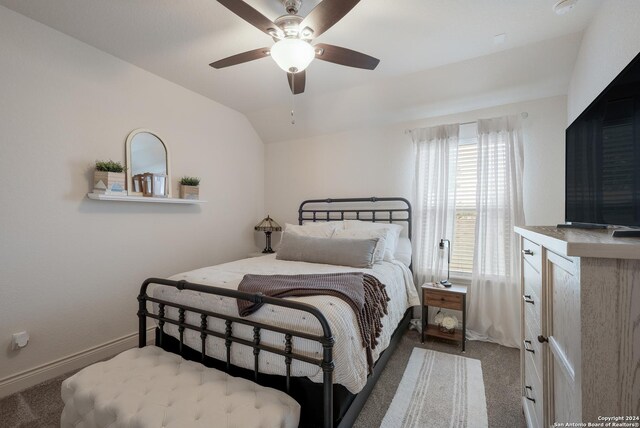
(438, 390)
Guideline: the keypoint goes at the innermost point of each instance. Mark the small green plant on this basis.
(190, 181)
(109, 166)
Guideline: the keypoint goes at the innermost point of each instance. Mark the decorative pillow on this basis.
(379, 234)
(403, 251)
(392, 231)
(322, 229)
(356, 253)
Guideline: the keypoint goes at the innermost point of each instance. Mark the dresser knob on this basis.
(542, 339)
(527, 252)
(527, 298)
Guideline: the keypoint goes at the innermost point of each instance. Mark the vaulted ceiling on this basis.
(432, 52)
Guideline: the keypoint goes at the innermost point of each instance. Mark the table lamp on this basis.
(268, 225)
(446, 282)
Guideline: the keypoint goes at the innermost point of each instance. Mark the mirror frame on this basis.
(130, 137)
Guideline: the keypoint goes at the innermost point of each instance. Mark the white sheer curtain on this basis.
(434, 199)
(494, 295)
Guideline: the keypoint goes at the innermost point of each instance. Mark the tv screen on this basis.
(603, 156)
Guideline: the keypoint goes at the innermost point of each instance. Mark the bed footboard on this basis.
(287, 352)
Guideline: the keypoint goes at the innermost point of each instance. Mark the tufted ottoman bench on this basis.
(148, 387)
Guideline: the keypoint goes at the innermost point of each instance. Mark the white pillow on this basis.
(322, 229)
(379, 234)
(391, 238)
(403, 251)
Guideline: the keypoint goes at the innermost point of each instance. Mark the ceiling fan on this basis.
(293, 34)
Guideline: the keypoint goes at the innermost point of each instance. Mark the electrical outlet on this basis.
(19, 340)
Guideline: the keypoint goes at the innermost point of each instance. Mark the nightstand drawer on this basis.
(443, 299)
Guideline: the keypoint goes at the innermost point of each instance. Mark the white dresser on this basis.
(580, 355)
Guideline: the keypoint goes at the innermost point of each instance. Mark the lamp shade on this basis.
(268, 225)
(292, 55)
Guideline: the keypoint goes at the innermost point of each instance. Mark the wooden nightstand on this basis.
(450, 298)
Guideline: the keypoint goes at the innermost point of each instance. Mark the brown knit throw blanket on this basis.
(363, 292)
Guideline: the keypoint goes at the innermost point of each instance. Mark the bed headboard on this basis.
(387, 210)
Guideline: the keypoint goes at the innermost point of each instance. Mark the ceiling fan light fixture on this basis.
(563, 7)
(292, 55)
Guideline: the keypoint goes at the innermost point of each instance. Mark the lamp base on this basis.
(267, 247)
(446, 283)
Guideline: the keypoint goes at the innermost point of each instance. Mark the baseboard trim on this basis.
(25, 379)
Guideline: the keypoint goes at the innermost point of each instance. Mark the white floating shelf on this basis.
(119, 198)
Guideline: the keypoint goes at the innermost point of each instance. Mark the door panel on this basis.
(563, 328)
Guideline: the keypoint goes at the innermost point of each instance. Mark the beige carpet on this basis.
(41, 405)
(438, 389)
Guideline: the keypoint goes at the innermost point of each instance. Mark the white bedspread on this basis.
(348, 352)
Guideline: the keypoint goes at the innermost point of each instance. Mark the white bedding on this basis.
(348, 352)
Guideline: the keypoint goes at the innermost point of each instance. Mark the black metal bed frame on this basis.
(326, 339)
(395, 210)
(376, 214)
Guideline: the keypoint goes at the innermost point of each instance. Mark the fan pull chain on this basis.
(293, 100)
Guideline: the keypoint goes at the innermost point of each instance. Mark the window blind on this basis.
(465, 226)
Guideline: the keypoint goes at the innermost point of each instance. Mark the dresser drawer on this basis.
(529, 414)
(531, 347)
(532, 279)
(442, 299)
(533, 393)
(532, 254)
(532, 309)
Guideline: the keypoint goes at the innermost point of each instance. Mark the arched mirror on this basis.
(147, 154)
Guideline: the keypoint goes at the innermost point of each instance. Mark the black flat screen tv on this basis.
(603, 156)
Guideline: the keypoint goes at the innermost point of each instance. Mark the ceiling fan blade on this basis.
(297, 82)
(344, 56)
(252, 16)
(240, 58)
(326, 14)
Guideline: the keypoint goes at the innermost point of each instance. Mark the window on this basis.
(463, 242)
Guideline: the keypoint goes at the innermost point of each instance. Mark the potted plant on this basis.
(109, 178)
(189, 188)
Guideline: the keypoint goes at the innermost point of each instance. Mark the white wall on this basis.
(535, 71)
(70, 268)
(379, 162)
(610, 42)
